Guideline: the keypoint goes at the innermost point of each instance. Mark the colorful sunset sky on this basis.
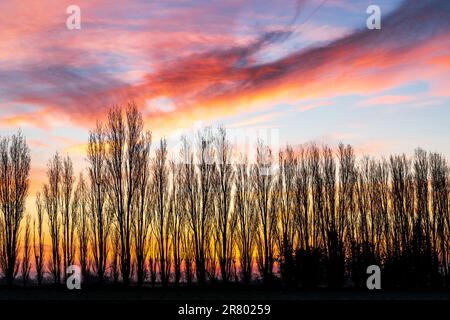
(310, 70)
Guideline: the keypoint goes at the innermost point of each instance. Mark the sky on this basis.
(293, 70)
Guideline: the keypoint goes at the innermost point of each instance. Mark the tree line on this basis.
(309, 215)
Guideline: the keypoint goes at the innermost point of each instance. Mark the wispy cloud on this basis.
(266, 118)
(387, 100)
(314, 105)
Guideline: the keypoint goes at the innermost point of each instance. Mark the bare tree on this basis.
(177, 207)
(188, 251)
(225, 217)
(284, 194)
(197, 182)
(307, 196)
(115, 252)
(99, 216)
(423, 228)
(38, 239)
(331, 231)
(439, 176)
(263, 178)
(189, 179)
(244, 206)
(67, 215)
(359, 223)
(302, 201)
(124, 136)
(380, 208)
(14, 171)
(201, 221)
(52, 199)
(162, 213)
(317, 195)
(143, 207)
(402, 197)
(26, 251)
(80, 205)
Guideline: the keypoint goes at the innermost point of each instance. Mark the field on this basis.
(256, 293)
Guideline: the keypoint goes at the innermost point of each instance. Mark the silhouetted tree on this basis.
(14, 171)
(115, 252)
(26, 251)
(197, 180)
(177, 207)
(100, 217)
(124, 136)
(301, 190)
(38, 239)
(402, 197)
(203, 220)
(225, 221)
(52, 201)
(142, 220)
(439, 183)
(245, 208)
(345, 205)
(422, 227)
(284, 187)
(263, 176)
(68, 214)
(162, 214)
(81, 205)
(189, 186)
